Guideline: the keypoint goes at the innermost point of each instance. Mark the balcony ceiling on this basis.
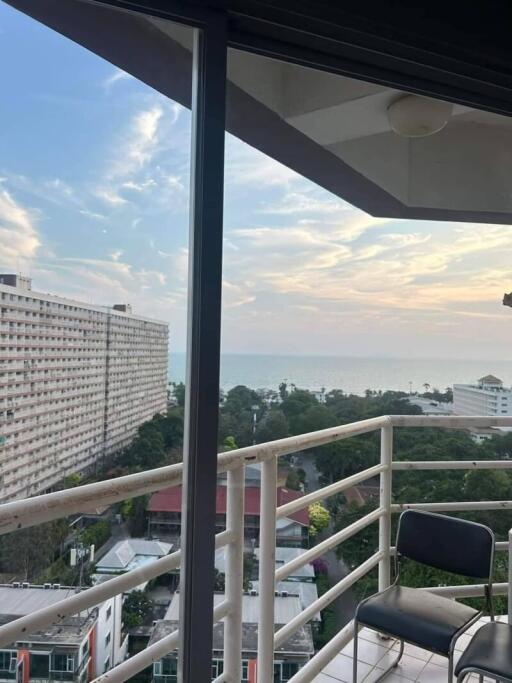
(331, 127)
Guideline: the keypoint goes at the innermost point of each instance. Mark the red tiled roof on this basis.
(169, 500)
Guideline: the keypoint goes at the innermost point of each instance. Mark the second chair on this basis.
(420, 617)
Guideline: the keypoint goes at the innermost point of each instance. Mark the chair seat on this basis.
(490, 650)
(419, 617)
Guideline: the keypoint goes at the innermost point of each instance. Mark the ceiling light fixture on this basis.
(413, 116)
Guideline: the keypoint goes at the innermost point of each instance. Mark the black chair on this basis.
(488, 654)
(420, 617)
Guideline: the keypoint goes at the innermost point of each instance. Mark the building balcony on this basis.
(331, 663)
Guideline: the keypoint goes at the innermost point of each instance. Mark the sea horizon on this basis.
(351, 374)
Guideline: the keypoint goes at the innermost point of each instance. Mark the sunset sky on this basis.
(94, 175)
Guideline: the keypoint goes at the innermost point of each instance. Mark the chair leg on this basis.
(354, 654)
(394, 665)
(450, 667)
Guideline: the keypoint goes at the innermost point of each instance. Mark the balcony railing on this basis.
(33, 511)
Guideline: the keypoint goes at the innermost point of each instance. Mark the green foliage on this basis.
(293, 480)
(97, 534)
(220, 581)
(229, 444)
(136, 517)
(137, 609)
(272, 426)
(28, 552)
(319, 518)
(329, 626)
(179, 393)
(72, 480)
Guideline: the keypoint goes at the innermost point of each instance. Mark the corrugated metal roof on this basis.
(285, 609)
(124, 552)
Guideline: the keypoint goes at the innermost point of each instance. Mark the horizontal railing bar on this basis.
(464, 506)
(324, 600)
(295, 505)
(283, 572)
(132, 666)
(450, 421)
(467, 590)
(453, 465)
(91, 597)
(89, 497)
(318, 663)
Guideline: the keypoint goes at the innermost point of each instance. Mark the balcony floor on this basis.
(375, 654)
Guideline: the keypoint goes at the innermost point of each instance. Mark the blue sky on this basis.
(94, 173)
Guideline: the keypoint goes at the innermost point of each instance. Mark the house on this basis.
(288, 658)
(128, 554)
(77, 648)
(164, 514)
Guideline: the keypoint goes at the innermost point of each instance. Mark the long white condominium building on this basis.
(487, 397)
(76, 381)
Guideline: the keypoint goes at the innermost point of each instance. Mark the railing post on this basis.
(234, 575)
(267, 571)
(386, 459)
(510, 576)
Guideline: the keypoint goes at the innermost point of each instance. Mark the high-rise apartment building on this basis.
(76, 381)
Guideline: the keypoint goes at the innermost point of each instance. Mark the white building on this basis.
(76, 649)
(289, 657)
(488, 397)
(76, 381)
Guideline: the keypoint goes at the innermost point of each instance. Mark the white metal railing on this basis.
(90, 497)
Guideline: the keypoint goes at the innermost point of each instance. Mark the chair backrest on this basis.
(453, 545)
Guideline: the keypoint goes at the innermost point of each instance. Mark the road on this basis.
(345, 605)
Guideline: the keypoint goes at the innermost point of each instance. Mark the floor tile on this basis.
(462, 642)
(414, 651)
(340, 668)
(324, 678)
(409, 667)
(367, 652)
(433, 674)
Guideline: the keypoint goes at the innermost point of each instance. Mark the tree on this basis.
(137, 608)
(179, 393)
(319, 518)
(293, 480)
(272, 426)
(229, 444)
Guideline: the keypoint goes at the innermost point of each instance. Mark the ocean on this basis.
(352, 375)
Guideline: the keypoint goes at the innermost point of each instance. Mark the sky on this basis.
(94, 187)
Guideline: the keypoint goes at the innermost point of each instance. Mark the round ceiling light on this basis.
(413, 116)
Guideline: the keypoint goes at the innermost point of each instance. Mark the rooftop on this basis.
(285, 609)
(132, 553)
(285, 555)
(18, 602)
(169, 500)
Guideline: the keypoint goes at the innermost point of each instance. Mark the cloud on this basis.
(19, 238)
(138, 144)
(302, 202)
(115, 77)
